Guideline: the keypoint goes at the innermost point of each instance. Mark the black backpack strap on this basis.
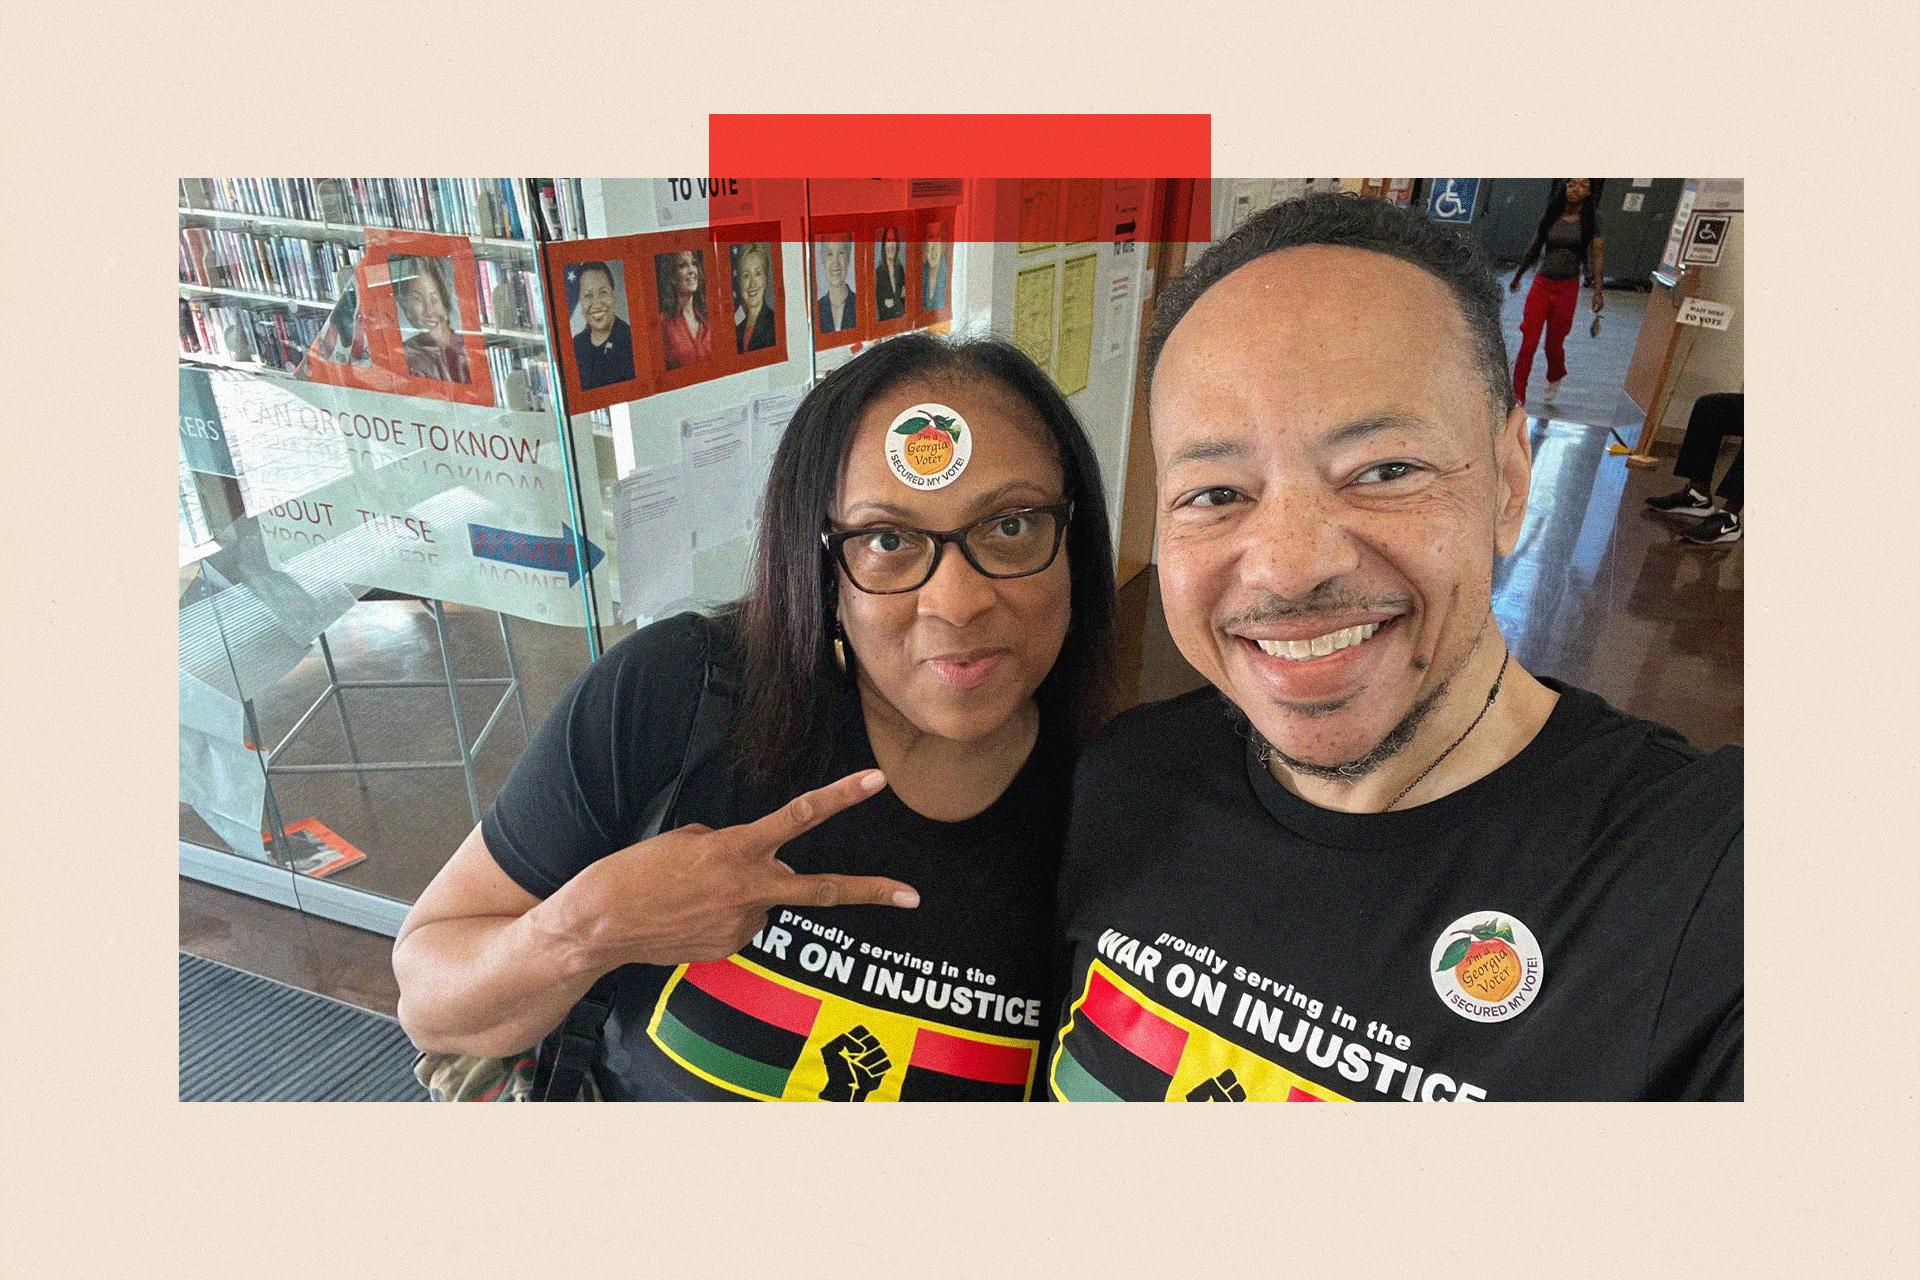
(566, 1055)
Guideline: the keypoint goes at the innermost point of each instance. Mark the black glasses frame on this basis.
(835, 540)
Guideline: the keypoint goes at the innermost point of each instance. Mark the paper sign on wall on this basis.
(1708, 315)
(656, 545)
(1119, 316)
(1705, 235)
(715, 449)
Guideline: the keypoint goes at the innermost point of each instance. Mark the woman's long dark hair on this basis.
(1557, 205)
(793, 697)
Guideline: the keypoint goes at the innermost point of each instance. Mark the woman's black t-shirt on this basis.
(946, 1001)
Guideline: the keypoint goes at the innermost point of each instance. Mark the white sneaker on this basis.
(1553, 389)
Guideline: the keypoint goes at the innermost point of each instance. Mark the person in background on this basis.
(683, 324)
(1567, 242)
(942, 650)
(1715, 417)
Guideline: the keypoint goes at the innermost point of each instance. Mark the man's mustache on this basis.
(1332, 600)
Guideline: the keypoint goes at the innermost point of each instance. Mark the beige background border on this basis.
(106, 1175)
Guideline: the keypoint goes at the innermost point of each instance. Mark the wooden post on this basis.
(1641, 456)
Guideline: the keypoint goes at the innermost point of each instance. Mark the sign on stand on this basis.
(445, 501)
(1708, 315)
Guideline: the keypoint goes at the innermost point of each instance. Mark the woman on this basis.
(933, 276)
(1569, 237)
(754, 330)
(835, 309)
(896, 946)
(603, 350)
(684, 321)
(436, 351)
(889, 278)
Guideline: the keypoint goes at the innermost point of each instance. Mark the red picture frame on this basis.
(563, 262)
(730, 242)
(393, 356)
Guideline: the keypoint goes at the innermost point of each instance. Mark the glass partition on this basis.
(445, 441)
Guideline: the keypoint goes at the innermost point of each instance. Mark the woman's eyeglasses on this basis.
(886, 560)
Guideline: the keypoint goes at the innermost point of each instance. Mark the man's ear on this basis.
(1513, 474)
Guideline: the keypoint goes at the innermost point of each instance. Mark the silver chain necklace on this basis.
(1484, 708)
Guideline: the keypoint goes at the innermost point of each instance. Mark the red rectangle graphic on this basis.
(1146, 1034)
(747, 991)
(973, 1059)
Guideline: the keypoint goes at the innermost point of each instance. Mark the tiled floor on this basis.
(1599, 593)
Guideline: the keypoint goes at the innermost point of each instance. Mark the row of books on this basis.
(520, 380)
(509, 295)
(497, 208)
(224, 258)
(236, 333)
(279, 337)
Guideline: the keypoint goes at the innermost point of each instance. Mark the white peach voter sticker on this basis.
(928, 446)
(1487, 966)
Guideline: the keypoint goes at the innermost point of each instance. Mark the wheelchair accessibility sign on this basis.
(1452, 199)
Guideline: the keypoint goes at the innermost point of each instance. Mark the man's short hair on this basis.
(1356, 222)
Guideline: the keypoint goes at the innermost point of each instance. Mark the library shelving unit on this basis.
(264, 260)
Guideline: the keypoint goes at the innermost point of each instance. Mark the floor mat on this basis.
(246, 1039)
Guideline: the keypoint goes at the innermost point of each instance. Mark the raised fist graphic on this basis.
(856, 1064)
(1225, 1087)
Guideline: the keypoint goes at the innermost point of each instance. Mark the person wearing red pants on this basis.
(1568, 239)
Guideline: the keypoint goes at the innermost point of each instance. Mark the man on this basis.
(603, 347)
(1715, 416)
(835, 307)
(1391, 864)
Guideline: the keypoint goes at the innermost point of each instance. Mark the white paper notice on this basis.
(1119, 316)
(714, 449)
(771, 414)
(656, 546)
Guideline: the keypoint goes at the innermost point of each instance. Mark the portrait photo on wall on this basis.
(889, 272)
(418, 313)
(756, 301)
(599, 325)
(936, 270)
(429, 318)
(836, 302)
(686, 329)
(602, 334)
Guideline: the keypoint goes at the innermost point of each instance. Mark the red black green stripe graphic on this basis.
(737, 1026)
(747, 1030)
(1114, 1049)
(948, 1068)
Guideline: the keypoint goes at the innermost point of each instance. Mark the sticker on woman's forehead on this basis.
(928, 446)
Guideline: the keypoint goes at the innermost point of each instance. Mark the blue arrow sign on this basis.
(554, 555)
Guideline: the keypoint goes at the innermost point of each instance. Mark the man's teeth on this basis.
(1319, 646)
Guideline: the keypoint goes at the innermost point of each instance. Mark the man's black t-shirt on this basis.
(1568, 927)
(945, 1001)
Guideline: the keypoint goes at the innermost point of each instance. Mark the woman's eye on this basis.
(1011, 526)
(887, 540)
(1219, 496)
(1386, 472)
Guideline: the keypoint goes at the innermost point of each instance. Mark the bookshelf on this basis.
(263, 260)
